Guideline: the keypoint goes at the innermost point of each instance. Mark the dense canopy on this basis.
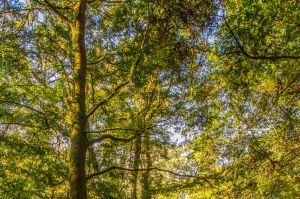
(149, 99)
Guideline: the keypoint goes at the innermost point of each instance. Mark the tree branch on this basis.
(150, 169)
(92, 1)
(54, 9)
(19, 11)
(92, 111)
(28, 107)
(116, 89)
(21, 105)
(122, 129)
(252, 56)
(111, 137)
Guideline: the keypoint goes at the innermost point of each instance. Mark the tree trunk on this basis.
(136, 164)
(77, 178)
(93, 164)
(146, 175)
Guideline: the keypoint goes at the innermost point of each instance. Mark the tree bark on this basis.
(79, 143)
(136, 164)
(146, 175)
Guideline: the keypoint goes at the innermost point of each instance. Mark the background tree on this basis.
(255, 127)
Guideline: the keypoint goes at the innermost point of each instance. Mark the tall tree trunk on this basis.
(146, 175)
(77, 178)
(136, 164)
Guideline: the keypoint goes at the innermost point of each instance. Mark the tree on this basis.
(146, 99)
(77, 62)
(254, 129)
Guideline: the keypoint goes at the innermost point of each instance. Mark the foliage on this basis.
(196, 99)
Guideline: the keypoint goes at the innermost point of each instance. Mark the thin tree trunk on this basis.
(146, 175)
(93, 159)
(77, 178)
(136, 164)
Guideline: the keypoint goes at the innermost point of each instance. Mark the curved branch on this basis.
(28, 107)
(122, 129)
(116, 89)
(54, 9)
(252, 56)
(92, 111)
(111, 137)
(150, 169)
(21, 105)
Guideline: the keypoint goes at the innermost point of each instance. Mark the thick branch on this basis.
(252, 56)
(113, 138)
(92, 111)
(149, 169)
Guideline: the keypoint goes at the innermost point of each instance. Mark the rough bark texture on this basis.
(136, 164)
(77, 178)
(146, 175)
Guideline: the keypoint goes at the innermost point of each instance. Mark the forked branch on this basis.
(117, 89)
(55, 9)
(244, 52)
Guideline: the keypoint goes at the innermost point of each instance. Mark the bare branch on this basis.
(92, 111)
(252, 56)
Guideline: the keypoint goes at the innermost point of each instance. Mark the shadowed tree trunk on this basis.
(77, 178)
(136, 164)
(146, 175)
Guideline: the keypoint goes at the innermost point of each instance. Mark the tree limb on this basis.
(28, 107)
(92, 1)
(116, 89)
(111, 137)
(122, 129)
(149, 169)
(243, 51)
(92, 111)
(54, 9)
